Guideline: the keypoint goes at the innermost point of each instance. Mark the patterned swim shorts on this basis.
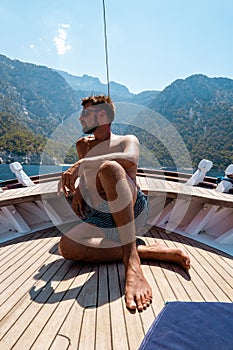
(102, 217)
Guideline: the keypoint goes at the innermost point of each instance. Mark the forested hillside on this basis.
(201, 109)
(40, 97)
(35, 101)
(17, 141)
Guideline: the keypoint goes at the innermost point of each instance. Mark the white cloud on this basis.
(60, 39)
(32, 46)
(65, 25)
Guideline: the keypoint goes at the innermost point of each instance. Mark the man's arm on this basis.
(127, 157)
(67, 182)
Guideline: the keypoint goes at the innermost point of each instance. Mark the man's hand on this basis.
(67, 182)
(78, 203)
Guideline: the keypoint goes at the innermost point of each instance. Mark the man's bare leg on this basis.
(78, 245)
(87, 243)
(121, 197)
(138, 293)
(162, 253)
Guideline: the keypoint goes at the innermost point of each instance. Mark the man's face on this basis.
(88, 119)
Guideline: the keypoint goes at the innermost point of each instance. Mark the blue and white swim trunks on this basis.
(102, 217)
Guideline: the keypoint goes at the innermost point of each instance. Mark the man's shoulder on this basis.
(127, 138)
(82, 145)
(131, 139)
(84, 140)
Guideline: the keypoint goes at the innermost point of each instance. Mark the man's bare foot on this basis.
(163, 253)
(181, 257)
(138, 293)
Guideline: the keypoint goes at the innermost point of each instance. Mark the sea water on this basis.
(30, 170)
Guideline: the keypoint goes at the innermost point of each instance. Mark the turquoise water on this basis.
(6, 174)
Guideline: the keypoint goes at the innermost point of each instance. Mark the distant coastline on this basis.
(36, 169)
(31, 170)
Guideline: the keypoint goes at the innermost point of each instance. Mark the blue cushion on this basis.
(191, 326)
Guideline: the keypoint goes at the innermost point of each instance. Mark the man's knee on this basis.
(109, 169)
(63, 249)
(69, 250)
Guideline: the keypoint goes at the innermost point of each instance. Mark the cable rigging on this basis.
(106, 47)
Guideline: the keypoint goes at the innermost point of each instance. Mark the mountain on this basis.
(94, 86)
(42, 98)
(201, 109)
(38, 101)
(43, 103)
(145, 98)
(37, 95)
(18, 142)
(119, 93)
(193, 92)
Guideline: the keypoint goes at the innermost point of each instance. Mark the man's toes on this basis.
(186, 261)
(130, 303)
(142, 303)
(149, 300)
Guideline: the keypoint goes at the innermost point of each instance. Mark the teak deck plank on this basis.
(51, 303)
(188, 285)
(69, 329)
(132, 320)
(6, 255)
(103, 324)
(118, 333)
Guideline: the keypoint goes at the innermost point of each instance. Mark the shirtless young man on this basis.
(107, 167)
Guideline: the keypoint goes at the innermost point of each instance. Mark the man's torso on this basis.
(89, 147)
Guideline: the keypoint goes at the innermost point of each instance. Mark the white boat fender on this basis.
(203, 167)
(22, 177)
(226, 183)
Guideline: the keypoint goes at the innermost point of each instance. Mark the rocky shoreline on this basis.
(32, 159)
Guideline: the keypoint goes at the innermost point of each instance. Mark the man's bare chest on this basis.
(100, 148)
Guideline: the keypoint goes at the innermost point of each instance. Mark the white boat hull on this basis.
(201, 214)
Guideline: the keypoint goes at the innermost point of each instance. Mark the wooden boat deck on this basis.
(176, 190)
(151, 185)
(48, 302)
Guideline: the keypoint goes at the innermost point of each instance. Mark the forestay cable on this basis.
(106, 47)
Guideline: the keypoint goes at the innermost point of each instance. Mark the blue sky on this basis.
(151, 43)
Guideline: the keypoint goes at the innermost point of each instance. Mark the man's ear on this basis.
(103, 118)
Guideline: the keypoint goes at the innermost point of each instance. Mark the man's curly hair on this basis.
(103, 102)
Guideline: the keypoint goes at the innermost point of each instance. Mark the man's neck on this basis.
(103, 132)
